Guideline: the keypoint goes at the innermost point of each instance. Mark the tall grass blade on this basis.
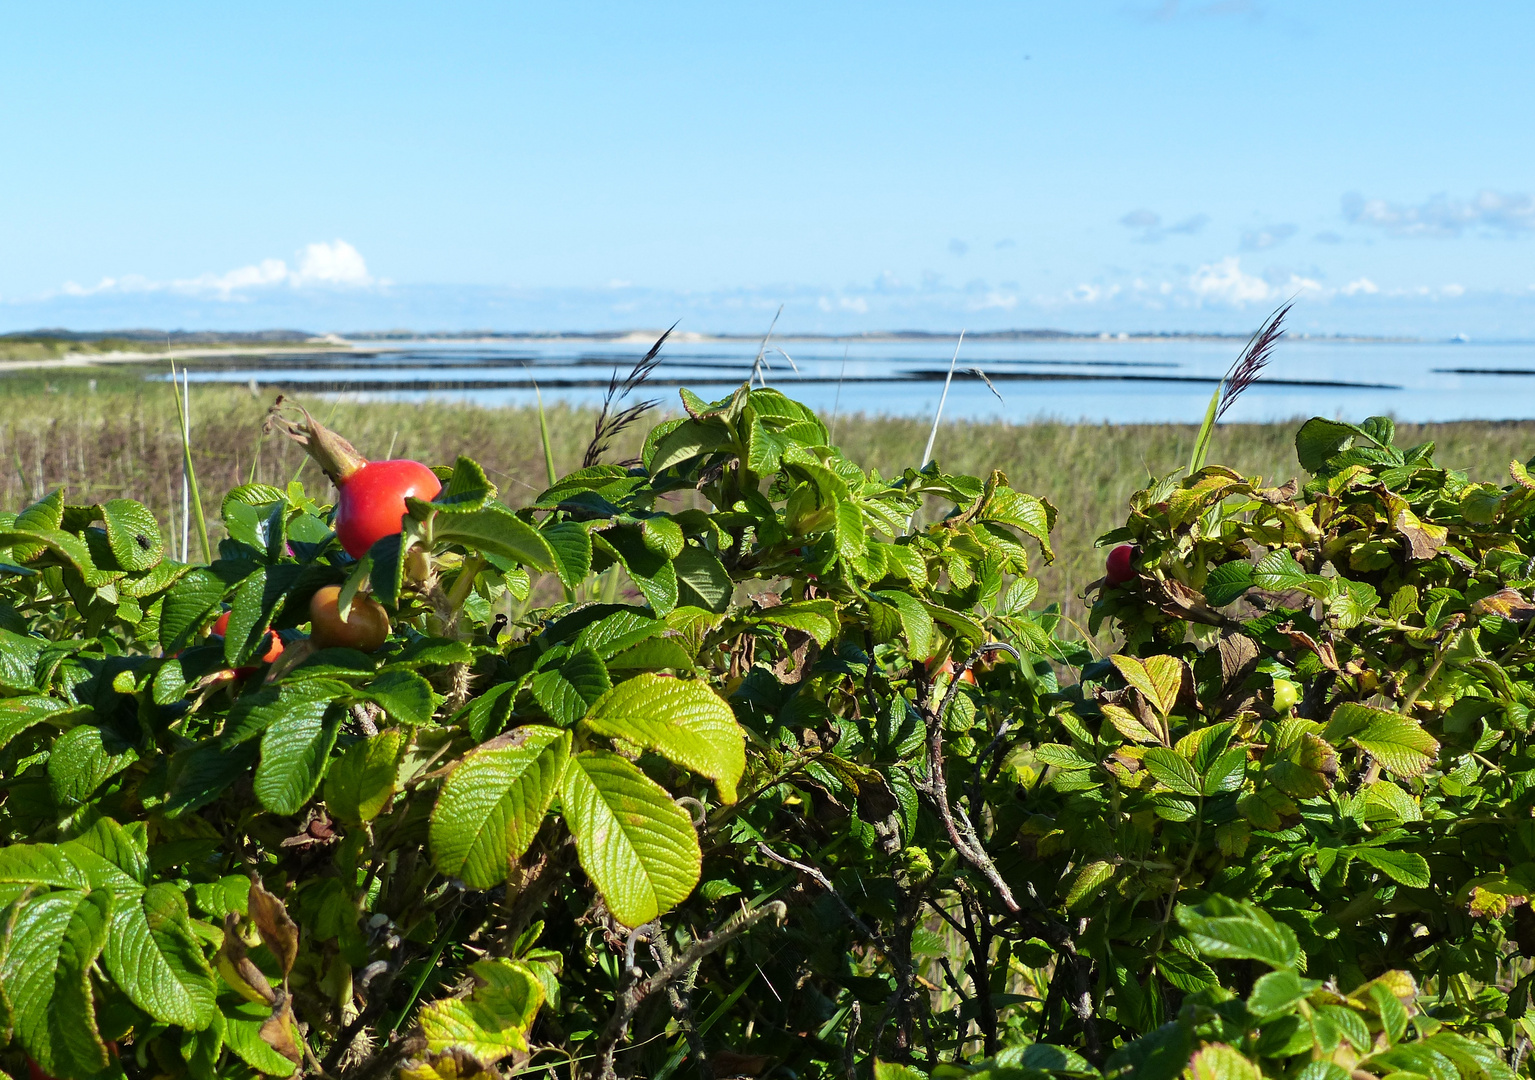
(837, 401)
(190, 498)
(543, 432)
(932, 436)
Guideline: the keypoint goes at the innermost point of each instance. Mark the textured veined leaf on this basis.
(404, 695)
(468, 489)
(1023, 512)
(572, 548)
(294, 750)
(818, 618)
(1396, 741)
(84, 758)
(19, 713)
(493, 803)
(916, 622)
(70, 865)
(243, 1021)
(1128, 724)
(636, 844)
(361, 781)
(683, 720)
(702, 580)
(497, 531)
(133, 533)
(1227, 582)
(1218, 1061)
(1319, 439)
(1088, 883)
(156, 959)
(1241, 932)
(49, 946)
(493, 1021)
(1173, 770)
(1159, 678)
(567, 691)
(1404, 867)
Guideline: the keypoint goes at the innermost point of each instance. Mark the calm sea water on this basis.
(1076, 380)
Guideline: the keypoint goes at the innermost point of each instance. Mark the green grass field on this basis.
(107, 433)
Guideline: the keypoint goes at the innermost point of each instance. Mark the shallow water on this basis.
(1090, 380)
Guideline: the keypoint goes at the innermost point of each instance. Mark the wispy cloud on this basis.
(1152, 231)
(334, 264)
(1266, 237)
(1509, 213)
(958, 246)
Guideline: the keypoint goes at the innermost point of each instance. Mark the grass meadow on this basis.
(107, 433)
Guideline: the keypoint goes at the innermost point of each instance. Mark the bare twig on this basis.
(635, 994)
(850, 1043)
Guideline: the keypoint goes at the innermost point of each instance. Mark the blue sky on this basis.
(1094, 166)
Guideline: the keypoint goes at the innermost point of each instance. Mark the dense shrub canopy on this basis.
(742, 761)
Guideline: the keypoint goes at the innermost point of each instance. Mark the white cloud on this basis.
(1360, 286)
(1489, 211)
(319, 264)
(1225, 282)
(330, 264)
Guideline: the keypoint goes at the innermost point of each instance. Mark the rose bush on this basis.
(739, 760)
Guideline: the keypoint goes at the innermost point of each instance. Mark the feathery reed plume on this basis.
(1247, 370)
(609, 423)
(1249, 366)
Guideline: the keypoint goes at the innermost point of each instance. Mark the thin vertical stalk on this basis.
(932, 436)
(543, 431)
(190, 498)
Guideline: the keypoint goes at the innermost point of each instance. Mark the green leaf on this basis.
(487, 714)
(1404, 867)
(687, 440)
(294, 749)
(1227, 582)
(702, 580)
(361, 781)
(155, 958)
(386, 569)
(653, 655)
(683, 720)
(83, 759)
(636, 844)
(1278, 572)
(19, 713)
(916, 623)
(887, 1070)
(133, 534)
(818, 618)
(50, 944)
(190, 603)
(404, 695)
(1217, 1061)
(1319, 439)
(567, 691)
(468, 489)
(1277, 992)
(495, 531)
(257, 601)
(494, 1021)
(1173, 770)
(243, 1021)
(653, 574)
(1185, 972)
(1228, 930)
(1023, 512)
(493, 803)
(1159, 678)
(1088, 883)
(1396, 741)
(1226, 772)
(572, 548)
